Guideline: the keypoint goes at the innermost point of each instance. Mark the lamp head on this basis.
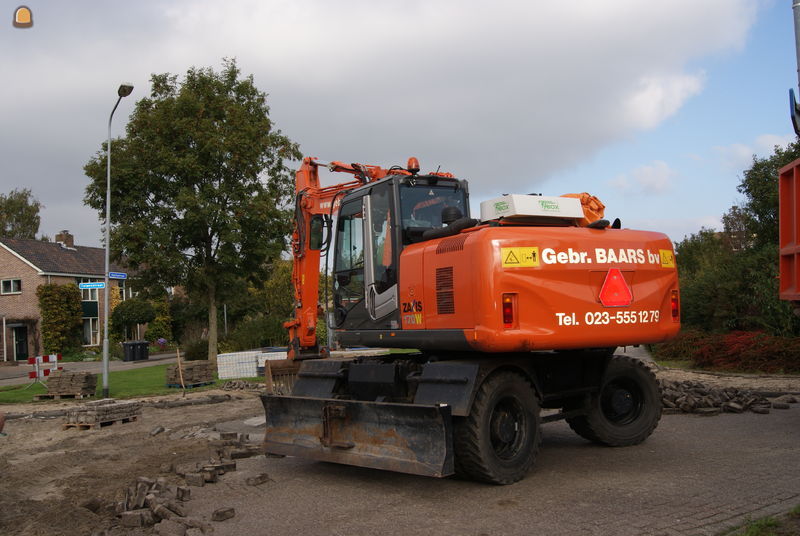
(125, 90)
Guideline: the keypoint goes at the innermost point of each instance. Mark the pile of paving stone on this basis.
(61, 382)
(241, 385)
(194, 372)
(103, 411)
(157, 503)
(189, 401)
(148, 501)
(697, 397)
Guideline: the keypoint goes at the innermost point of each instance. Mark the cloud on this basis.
(739, 156)
(648, 179)
(658, 97)
(505, 93)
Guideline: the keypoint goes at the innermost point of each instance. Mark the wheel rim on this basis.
(507, 428)
(622, 401)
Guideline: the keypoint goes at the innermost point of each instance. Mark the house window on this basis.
(11, 286)
(125, 292)
(91, 333)
(88, 294)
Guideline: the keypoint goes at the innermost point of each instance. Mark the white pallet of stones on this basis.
(237, 365)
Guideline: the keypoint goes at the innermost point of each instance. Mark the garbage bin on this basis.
(135, 350)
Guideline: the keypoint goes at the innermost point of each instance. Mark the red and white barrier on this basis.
(38, 361)
(52, 358)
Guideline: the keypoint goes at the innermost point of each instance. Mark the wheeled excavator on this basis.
(514, 318)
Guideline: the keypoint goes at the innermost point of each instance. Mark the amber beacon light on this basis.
(23, 18)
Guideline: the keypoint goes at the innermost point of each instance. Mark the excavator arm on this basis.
(315, 207)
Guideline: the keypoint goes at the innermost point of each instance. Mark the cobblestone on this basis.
(694, 476)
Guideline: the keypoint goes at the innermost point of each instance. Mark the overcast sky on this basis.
(655, 107)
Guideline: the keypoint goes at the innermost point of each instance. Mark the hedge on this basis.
(744, 351)
(60, 306)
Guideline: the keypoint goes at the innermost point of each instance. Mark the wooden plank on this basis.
(188, 385)
(74, 396)
(91, 426)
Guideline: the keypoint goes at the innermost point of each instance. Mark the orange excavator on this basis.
(517, 311)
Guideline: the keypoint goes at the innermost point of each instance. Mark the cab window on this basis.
(421, 206)
(348, 274)
(385, 274)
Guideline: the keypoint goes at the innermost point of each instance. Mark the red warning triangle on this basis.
(615, 291)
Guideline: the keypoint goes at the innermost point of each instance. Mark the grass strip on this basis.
(138, 382)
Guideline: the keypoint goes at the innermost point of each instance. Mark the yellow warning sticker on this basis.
(519, 257)
(667, 258)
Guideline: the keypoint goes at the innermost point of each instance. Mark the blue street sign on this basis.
(91, 285)
(117, 275)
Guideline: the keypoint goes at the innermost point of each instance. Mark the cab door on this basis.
(348, 266)
(381, 253)
(365, 261)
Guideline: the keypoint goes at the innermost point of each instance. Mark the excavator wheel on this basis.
(627, 408)
(499, 440)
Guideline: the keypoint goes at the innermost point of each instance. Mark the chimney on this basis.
(65, 239)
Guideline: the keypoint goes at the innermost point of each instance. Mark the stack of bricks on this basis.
(149, 501)
(194, 372)
(61, 382)
(102, 411)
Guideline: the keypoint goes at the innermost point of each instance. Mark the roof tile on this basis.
(52, 257)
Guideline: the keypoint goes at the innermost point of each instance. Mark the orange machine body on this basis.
(497, 287)
(789, 231)
(551, 277)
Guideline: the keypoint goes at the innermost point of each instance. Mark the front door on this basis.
(20, 336)
(380, 254)
(348, 271)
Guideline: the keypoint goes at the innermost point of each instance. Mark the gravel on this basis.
(697, 397)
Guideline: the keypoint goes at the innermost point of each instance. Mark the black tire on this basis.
(499, 440)
(581, 427)
(627, 408)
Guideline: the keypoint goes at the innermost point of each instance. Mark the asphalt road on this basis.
(694, 476)
(15, 375)
(18, 374)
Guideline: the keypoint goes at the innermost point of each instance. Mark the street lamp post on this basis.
(123, 91)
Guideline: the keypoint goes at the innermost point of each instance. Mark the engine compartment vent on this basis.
(445, 297)
(450, 245)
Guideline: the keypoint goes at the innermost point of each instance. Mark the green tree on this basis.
(19, 214)
(131, 312)
(760, 188)
(60, 306)
(161, 326)
(200, 187)
(270, 305)
(729, 279)
(699, 251)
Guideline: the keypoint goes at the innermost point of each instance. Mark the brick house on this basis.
(26, 264)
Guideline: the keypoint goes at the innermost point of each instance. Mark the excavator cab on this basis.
(374, 224)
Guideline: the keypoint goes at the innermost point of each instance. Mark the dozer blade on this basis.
(280, 375)
(405, 438)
